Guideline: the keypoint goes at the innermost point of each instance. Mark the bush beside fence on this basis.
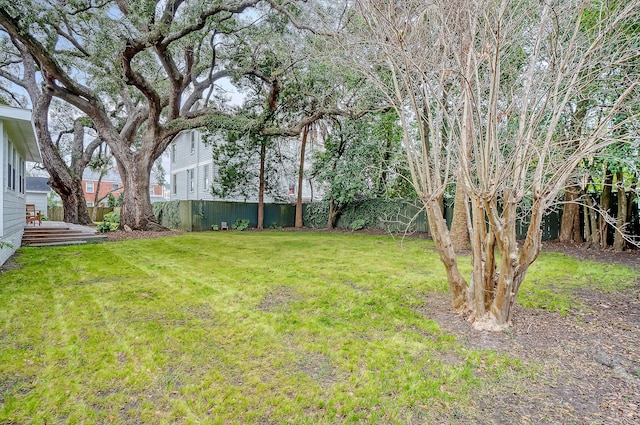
(402, 215)
(394, 215)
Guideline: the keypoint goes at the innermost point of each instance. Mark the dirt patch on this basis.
(278, 299)
(587, 363)
(10, 264)
(119, 235)
(318, 366)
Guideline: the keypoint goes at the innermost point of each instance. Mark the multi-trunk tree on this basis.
(481, 88)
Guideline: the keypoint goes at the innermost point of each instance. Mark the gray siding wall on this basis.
(39, 199)
(197, 158)
(196, 161)
(14, 240)
(13, 203)
(14, 212)
(188, 160)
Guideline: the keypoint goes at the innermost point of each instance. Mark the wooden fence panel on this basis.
(57, 213)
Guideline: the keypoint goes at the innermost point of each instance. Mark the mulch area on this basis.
(630, 257)
(587, 363)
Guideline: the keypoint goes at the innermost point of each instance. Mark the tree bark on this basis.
(69, 188)
(605, 205)
(136, 212)
(587, 222)
(594, 240)
(334, 213)
(459, 228)
(303, 146)
(444, 246)
(619, 242)
(62, 179)
(570, 223)
(65, 180)
(263, 154)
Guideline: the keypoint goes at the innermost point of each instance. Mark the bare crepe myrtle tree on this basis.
(480, 88)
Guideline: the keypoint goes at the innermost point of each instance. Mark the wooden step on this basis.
(57, 243)
(45, 230)
(47, 234)
(62, 235)
(70, 236)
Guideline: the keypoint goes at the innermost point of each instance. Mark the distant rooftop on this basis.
(37, 184)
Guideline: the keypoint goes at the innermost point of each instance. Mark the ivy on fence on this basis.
(167, 213)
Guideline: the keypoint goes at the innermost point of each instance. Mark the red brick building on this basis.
(112, 183)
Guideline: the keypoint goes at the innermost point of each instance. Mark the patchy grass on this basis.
(229, 327)
(553, 279)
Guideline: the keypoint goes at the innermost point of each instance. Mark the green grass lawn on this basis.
(246, 327)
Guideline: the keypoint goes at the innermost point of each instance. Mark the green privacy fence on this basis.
(194, 216)
(396, 215)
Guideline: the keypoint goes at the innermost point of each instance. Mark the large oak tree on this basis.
(141, 70)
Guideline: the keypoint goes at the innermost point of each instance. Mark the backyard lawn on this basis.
(252, 328)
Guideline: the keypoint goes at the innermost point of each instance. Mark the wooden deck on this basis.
(52, 233)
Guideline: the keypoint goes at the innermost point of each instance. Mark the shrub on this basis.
(111, 222)
(103, 227)
(240, 224)
(358, 224)
(112, 217)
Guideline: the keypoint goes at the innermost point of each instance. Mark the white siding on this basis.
(201, 156)
(13, 203)
(39, 199)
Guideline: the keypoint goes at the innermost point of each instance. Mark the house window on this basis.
(15, 171)
(192, 182)
(89, 204)
(22, 174)
(115, 186)
(193, 142)
(174, 184)
(173, 152)
(14, 167)
(206, 177)
(9, 164)
(89, 187)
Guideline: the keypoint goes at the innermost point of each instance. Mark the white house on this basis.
(37, 192)
(193, 171)
(19, 145)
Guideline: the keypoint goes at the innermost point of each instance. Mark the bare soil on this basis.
(119, 235)
(587, 363)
